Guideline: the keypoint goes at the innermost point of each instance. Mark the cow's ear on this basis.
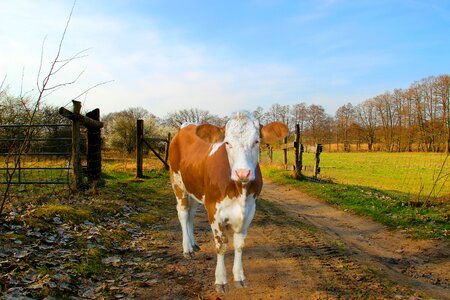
(273, 132)
(210, 133)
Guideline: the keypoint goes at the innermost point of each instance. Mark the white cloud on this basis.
(150, 67)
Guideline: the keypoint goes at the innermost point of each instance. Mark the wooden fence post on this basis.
(285, 151)
(76, 151)
(317, 161)
(269, 152)
(297, 145)
(94, 153)
(166, 158)
(139, 148)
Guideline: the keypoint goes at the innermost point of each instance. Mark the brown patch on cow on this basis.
(181, 196)
(273, 132)
(254, 187)
(221, 244)
(210, 133)
(187, 154)
(221, 240)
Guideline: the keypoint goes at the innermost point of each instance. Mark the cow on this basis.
(218, 167)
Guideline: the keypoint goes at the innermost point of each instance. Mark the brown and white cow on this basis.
(218, 167)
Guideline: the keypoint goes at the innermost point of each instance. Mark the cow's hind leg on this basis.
(183, 208)
(193, 204)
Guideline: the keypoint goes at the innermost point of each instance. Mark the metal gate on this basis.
(45, 159)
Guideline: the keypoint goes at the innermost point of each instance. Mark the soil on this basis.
(298, 247)
(307, 250)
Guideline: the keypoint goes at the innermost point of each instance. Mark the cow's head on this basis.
(242, 136)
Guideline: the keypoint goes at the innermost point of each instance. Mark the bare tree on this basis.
(193, 115)
(299, 113)
(316, 121)
(45, 86)
(121, 127)
(278, 113)
(259, 114)
(344, 120)
(366, 117)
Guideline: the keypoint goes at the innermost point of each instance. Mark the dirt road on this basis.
(301, 248)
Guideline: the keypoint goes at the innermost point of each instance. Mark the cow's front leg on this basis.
(239, 241)
(221, 241)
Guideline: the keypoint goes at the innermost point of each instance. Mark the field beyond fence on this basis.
(417, 173)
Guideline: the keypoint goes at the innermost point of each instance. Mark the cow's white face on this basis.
(242, 139)
(241, 136)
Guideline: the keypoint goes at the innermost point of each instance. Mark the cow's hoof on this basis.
(222, 288)
(188, 255)
(196, 248)
(240, 284)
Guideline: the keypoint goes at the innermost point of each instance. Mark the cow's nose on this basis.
(243, 174)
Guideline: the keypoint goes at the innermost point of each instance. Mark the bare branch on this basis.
(92, 87)
(40, 65)
(3, 82)
(41, 90)
(67, 61)
(64, 84)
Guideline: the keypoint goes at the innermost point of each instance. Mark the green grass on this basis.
(416, 174)
(392, 208)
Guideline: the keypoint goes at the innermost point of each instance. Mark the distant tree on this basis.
(367, 118)
(278, 113)
(442, 90)
(193, 115)
(317, 121)
(299, 113)
(259, 114)
(120, 127)
(345, 116)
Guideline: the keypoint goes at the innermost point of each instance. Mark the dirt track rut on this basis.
(304, 249)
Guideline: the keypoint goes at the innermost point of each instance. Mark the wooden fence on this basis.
(298, 147)
(93, 127)
(141, 140)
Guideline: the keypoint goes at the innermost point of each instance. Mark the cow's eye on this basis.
(228, 144)
(256, 142)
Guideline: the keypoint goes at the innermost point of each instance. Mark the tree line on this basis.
(411, 119)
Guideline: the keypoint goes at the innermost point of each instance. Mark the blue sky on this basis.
(224, 56)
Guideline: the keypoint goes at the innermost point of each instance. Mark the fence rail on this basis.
(141, 140)
(18, 167)
(25, 167)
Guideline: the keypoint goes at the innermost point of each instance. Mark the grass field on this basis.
(397, 210)
(385, 186)
(416, 174)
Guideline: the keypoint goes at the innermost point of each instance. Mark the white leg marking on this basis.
(221, 272)
(183, 216)
(238, 270)
(192, 211)
(186, 207)
(220, 239)
(239, 241)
